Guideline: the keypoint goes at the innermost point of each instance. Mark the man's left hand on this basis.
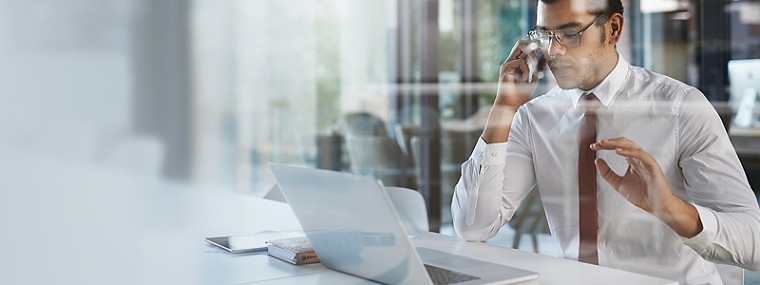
(644, 185)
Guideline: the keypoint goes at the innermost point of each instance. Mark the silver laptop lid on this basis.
(351, 223)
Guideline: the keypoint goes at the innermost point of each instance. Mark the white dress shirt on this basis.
(670, 120)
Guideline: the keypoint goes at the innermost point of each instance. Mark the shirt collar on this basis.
(607, 89)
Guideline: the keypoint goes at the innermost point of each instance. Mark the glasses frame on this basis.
(553, 34)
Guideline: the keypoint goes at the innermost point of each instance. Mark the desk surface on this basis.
(80, 225)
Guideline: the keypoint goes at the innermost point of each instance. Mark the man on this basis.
(681, 200)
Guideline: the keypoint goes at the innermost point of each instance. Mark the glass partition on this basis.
(345, 85)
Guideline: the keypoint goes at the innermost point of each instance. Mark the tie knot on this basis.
(589, 102)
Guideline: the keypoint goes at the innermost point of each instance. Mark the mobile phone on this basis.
(250, 243)
(533, 66)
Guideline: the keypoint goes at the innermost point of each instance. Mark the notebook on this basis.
(354, 228)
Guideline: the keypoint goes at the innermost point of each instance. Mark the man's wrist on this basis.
(498, 124)
(681, 216)
(507, 103)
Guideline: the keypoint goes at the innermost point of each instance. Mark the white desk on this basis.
(72, 224)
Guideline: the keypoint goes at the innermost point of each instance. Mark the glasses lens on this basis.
(569, 37)
(541, 38)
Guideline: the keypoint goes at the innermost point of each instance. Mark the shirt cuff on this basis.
(705, 238)
(489, 154)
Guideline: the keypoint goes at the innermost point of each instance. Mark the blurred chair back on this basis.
(381, 157)
(404, 134)
(362, 123)
(410, 206)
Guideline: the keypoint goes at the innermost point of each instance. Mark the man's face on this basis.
(574, 67)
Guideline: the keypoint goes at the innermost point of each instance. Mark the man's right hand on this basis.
(514, 90)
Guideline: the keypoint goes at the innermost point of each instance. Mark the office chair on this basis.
(381, 157)
(362, 123)
(410, 207)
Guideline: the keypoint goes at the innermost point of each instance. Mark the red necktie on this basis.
(587, 219)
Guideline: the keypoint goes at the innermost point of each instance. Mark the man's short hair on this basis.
(597, 7)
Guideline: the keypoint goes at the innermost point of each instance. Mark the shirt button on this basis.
(494, 154)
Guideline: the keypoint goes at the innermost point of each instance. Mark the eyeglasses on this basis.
(566, 37)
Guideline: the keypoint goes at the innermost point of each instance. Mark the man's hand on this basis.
(514, 90)
(644, 185)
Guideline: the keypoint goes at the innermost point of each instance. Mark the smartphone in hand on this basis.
(534, 66)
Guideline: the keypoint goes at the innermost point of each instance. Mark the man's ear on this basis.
(615, 28)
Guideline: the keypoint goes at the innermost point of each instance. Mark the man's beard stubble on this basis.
(589, 68)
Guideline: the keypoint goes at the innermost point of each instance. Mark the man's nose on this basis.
(555, 48)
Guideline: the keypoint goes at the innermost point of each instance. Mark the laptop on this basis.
(354, 228)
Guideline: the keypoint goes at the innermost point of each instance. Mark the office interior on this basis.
(207, 92)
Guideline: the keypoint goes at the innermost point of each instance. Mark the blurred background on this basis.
(207, 92)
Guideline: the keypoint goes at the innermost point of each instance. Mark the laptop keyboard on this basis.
(445, 276)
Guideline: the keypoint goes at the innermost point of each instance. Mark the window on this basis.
(301, 81)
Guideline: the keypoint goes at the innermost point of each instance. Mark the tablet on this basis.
(250, 243)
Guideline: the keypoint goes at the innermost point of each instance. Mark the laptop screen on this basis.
(351, 224)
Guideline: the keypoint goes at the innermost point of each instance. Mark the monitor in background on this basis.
(744, 76)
